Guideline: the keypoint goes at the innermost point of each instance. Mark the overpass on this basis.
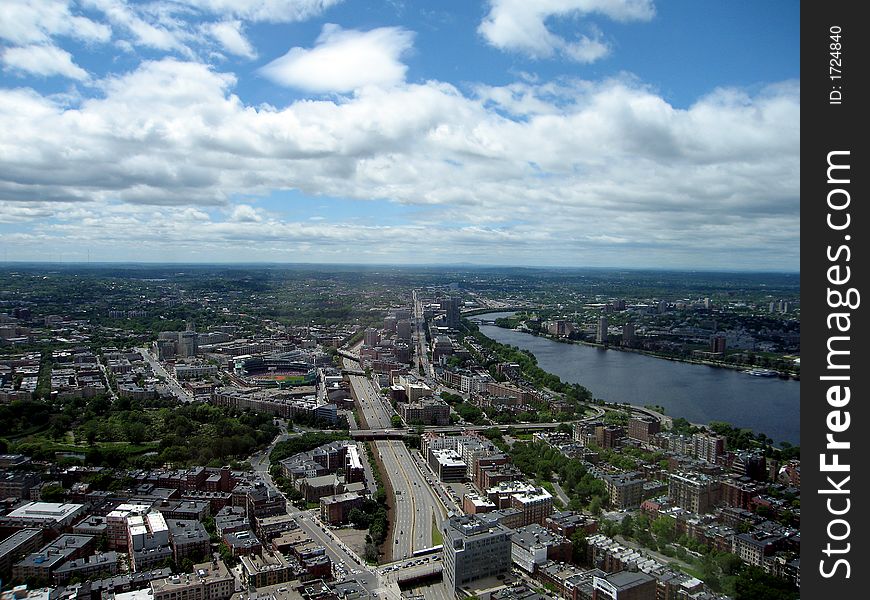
(399, 433)
(348, 354)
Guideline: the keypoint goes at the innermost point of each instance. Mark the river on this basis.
(699, 393)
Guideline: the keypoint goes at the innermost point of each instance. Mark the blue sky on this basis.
(624, 133)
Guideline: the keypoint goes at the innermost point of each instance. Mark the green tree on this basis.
(664, 530)
(53, 492)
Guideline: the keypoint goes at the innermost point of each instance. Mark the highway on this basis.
(373, 410)
(420, 322)
(414, 501)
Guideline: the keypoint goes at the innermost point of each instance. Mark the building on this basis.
(752, 548)
(473, 504)
(269, 569)
(51, 514)
(18, 545)
(116, 523)
(628, 334)
(426, 411)
(453, 306)
(103, 564)
(209, 581)
(708, 447)
(609, 436)
(532, 546)
(269, 528)
(694, 492)
(242, 543)
(567, 523)
(643, 428)
(189, 539)
(535, 505)
(403, 330)
(42, 564)
(625, 585)
(625, 490)
(448, 465)
(602, 332)
(335, 509)
(371, 337)
(17, 484)
(315, 488)
(474, 549)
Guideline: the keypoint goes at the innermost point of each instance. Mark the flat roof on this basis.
(45, 510)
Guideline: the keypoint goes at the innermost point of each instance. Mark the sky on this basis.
(602, 133)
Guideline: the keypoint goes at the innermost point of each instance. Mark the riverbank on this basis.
(680, 359)
(700, 395)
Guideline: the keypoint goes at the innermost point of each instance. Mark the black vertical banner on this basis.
(835, 420)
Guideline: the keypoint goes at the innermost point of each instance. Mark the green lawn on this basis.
(437, 539)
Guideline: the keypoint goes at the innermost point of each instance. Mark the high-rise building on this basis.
(601, 334)
(187, 343)
(474, 549)
(371, 337)
(453, 312)
(403, 330)
(628, 333)
(717, 344)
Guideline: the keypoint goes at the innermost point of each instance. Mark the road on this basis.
(372, 408)
(420, 323)
(415, 502)
(416, 505)
(176, 389)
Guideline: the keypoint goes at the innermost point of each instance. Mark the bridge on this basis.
(399, 433)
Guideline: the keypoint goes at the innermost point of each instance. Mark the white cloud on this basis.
(344, 60)
(146, 28)
(274, 11)
(44, 61)
(569, 170)
(520, 26)
(37, 21)
(245, 213)
(229, 35)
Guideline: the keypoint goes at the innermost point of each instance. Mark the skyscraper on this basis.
(601, 335)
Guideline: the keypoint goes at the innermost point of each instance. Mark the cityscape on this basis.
(176, 432)
(395, 300)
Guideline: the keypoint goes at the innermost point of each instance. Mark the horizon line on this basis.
(392, 265)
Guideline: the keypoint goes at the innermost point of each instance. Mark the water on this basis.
(697, 392)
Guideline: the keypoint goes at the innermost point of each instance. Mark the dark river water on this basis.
(697, 392)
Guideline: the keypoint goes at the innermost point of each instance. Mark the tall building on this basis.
(371, 337)
(643, 428)
(708, 447)
(628, 333)
(601, 334)
(187, 344)
(717, 344)
(403, 330)
(694, 492)
(474, 549)
(453, 312)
